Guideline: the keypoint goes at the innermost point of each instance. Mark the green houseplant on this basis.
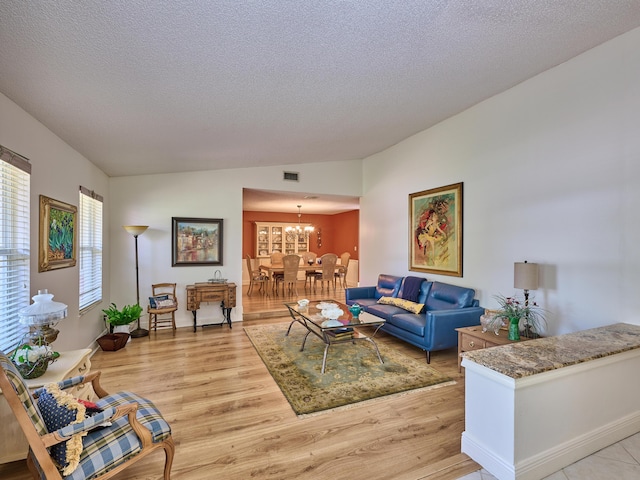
(128, 314)
(514, 311)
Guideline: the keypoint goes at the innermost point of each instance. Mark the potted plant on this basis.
(514, 312)
(32, 360)
(122, 318)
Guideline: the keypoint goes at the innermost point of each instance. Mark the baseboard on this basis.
(556, 457)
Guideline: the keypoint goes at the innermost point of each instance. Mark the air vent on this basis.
(293, 176)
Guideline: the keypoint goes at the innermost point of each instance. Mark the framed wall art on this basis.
(58, 236)
(196, 241)
(435, 230)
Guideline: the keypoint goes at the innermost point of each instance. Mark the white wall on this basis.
(154, 199)
(57, 172)
(551, 171)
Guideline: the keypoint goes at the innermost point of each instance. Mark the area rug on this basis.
(353, 372)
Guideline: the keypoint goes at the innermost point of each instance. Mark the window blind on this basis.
(15, 178)
(90, 248)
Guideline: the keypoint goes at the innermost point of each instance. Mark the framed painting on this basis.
(58, 235)
(435, 230)
(196, 241)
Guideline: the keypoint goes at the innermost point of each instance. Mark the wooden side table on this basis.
(13, 444)
(472, 338)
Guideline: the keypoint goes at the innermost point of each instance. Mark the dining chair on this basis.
(309, 258)
(256, 277)
(328, 263)
(290, 276)
(74, 440)
(341, 270)
(163, 303)
(276, 261)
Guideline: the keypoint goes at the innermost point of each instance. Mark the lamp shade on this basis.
(525, 275)
(135, 230)
(43, 310)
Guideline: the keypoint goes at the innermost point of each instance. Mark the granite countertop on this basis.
(519, 360)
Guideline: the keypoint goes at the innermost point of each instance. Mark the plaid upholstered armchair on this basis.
(72, 439)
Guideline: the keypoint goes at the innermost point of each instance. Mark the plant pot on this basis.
(113, 341)
(123, 329)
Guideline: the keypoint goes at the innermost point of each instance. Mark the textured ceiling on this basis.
(184, 85)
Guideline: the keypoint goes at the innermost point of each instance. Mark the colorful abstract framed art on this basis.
(435, 230)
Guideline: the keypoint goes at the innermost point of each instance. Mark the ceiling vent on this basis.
(293, 176)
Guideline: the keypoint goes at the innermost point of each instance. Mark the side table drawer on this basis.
(468, 344)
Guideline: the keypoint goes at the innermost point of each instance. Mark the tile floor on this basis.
(620, 461)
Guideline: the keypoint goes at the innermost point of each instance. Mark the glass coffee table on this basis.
(344, 329)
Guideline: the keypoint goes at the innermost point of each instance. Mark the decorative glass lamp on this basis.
(41, 316)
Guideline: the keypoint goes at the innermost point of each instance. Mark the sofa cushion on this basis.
(425, 288)
(388, 286)
(407, 305)
(384, 311)
(409, 322)
(444, 296)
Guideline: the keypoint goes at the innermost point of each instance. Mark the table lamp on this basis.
(41, 316)
(525, 276)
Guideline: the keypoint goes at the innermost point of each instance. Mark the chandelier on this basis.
(299, 229)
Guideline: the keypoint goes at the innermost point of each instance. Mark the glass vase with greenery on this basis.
(528, 315)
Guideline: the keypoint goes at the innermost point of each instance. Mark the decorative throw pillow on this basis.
(407, 305)
(165, 303)
(60, 409)
(153, 301)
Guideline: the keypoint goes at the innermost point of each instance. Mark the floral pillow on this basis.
(407, 305)
(60, 409)
(168, 303)
(153, 301)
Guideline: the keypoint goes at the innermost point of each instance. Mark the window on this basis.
(90, 248)
(15, 177)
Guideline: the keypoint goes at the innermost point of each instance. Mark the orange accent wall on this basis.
(339, 232)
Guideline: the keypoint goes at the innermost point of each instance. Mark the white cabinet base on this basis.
(527, 428)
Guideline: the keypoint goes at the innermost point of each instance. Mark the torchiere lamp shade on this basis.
(135, 230)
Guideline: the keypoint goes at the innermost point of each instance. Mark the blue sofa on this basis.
(446, 307)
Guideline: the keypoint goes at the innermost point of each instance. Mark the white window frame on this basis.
(90, 249)
(15, 270)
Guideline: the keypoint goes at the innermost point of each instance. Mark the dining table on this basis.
(270, 270)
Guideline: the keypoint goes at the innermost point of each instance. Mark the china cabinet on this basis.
(273, 237)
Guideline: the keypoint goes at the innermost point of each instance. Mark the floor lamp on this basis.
(136, 230)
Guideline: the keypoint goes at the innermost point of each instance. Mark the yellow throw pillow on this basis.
(407, 305)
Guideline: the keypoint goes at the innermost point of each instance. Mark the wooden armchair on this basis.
(165, 307)
(255, 278)
(78, 447)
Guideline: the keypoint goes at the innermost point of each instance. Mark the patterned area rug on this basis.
(353, 372)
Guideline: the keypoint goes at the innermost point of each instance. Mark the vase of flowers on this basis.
(32, 361)
(516, 312)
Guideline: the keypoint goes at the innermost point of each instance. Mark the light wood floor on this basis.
(230, 420)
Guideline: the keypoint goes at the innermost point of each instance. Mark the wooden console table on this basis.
(13, 444)
(205, 292)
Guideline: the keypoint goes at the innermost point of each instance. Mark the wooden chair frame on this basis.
(38, 444)
(163, 289)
